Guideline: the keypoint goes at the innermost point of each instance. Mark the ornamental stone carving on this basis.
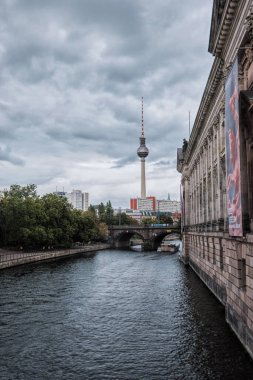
(249, 23)
(240, 74)
(216, 121)
(210, 133)
(226, 71)
(222, 163)
(222, 112)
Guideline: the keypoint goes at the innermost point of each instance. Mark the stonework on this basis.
(224, 262)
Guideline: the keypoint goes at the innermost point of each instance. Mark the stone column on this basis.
(210, 136)
(206, 169)
(219, 194)
(187, 211)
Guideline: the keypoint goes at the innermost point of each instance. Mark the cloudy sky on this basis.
(72, 76)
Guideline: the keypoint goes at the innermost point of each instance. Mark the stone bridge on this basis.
(151, 236)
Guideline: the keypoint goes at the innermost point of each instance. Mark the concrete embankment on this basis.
(11, 258)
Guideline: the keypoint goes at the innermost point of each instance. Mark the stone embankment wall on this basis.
(12, 258)
(225, 265)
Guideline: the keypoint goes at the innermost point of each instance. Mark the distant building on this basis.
(86, 201)
(62, 194)
(143, 204)
(135, 214)
(138, 215)
(79, 200)
(165, 205)
(153, 204)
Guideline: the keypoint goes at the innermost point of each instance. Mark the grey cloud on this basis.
(124, 161)
(162, 163)
(73, 74)
(6, 155)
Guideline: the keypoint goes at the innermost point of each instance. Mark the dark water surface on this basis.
(114, 315)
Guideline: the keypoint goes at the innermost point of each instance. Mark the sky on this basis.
(72, 76)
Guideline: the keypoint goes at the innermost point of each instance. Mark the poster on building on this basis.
(182, 207)
(234, 208)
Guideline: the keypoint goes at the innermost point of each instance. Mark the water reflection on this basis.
(116, 315)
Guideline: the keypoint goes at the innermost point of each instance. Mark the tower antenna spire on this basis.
(142, 118)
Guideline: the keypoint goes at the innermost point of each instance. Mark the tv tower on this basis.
(142, 152)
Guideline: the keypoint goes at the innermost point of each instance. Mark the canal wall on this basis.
(11, 258)
(225, 265)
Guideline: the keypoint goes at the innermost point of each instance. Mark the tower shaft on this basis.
(143, 179)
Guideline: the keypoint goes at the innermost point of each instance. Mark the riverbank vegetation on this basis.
(31, 221)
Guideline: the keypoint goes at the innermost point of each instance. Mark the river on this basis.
(114, 315)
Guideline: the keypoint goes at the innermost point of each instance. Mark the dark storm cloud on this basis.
(72, 76)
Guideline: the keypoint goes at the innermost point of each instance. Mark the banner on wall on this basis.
(234, 203)
(182, 207)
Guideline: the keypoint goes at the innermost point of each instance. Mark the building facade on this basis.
(217, 170)
(165, 205)
(143, 204)
(79, 200)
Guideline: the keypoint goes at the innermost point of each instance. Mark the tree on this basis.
(92, 209)
(166, 219)
(124, 219)
(101, 212)
(108, 213)
(18, 191)
(102, 232)
(34, 222)
(147, 221)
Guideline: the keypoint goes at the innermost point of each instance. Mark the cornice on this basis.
(249, 23)
(214, 81)
(218, 40)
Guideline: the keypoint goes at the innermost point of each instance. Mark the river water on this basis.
(115, 315)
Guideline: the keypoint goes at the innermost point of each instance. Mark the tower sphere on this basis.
(142, 151)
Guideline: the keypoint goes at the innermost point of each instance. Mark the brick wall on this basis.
(225, 265)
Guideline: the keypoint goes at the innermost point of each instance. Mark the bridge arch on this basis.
(122, 239)
(159, 237)
(151, 236)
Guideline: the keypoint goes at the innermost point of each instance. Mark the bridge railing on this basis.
(134, 227)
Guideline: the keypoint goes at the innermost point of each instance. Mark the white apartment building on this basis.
(165, 205)
(79, 200)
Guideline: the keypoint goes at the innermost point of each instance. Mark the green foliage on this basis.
(165, 219)
(147, 221)
(106, 215)
(92, 210)
(18, 191)
(101, 212)
(31, 221)
(123, 219)
(105, 212)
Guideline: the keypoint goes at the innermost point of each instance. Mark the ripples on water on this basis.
(114, 315)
